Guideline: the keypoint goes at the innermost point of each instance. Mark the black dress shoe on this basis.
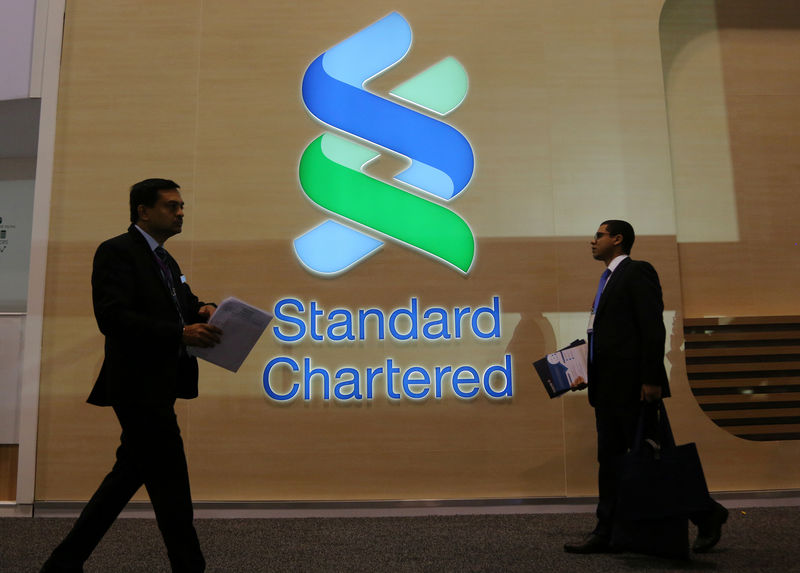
(592, 544)
(51, 568)
(54, 566)
(709, 532)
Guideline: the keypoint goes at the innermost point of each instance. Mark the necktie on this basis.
(161, 259)
(166, 275)
(600, 287)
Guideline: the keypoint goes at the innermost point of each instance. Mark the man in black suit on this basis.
(148, 315)
(626, 373)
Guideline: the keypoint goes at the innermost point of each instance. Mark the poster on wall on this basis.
(16, 216)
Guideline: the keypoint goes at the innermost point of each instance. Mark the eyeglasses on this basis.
(599, 234)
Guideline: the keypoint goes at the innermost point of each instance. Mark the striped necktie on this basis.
(166, 275)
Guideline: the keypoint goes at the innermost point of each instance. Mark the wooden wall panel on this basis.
(566, 115)
(756, 91)
(728, 61)
(9, 455)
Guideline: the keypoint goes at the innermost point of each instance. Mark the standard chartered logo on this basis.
(366, 210)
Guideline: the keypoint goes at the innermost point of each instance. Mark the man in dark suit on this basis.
(626, 373)
(148, 315)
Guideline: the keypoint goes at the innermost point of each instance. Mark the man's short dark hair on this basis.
(146, 193)
(617, 227)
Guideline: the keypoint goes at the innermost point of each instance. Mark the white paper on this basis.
(242, 325)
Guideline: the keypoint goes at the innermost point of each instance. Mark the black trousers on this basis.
(616, 429)
(150, 454)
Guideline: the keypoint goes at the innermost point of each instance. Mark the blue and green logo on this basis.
(367, 210)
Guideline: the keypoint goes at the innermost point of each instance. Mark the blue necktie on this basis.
(600, 287)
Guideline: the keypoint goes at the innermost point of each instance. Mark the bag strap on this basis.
(666, 439)
(638, 438)
(653, 417)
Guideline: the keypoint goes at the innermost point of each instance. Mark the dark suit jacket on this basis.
(629, 337)
(145, 362)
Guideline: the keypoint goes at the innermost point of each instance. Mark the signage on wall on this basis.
(4, 235)
(366, 211)
(331, 174)
(297, 322)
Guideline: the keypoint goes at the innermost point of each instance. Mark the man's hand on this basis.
(206, 311)
(651, 393)
(202, 335)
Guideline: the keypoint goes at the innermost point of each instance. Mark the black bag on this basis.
(659, 486)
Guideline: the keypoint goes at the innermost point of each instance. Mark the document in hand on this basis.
(242, 325)
(564, 370)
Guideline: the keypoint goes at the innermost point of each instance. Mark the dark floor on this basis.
(758, 539)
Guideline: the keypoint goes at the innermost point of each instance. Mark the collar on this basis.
(612, 265)
(150, 240)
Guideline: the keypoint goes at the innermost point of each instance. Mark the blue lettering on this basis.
(428, 330)
(308, 373)
(315, 314)
(301, 327)
(268, 386)
(470, 378)
(362, 322)
(494, 314)
(371, 374)
(346, 324)
(505, 373)
(440, 372)
(408, 383)
(353, 383)
(458, 314)
(415, 383)
(390, 372)
(413, 331)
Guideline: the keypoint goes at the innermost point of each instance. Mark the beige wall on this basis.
(567, 115)
(732, 100)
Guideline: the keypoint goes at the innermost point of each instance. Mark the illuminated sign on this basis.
(296, 322)
(410, 210)
(331, 167)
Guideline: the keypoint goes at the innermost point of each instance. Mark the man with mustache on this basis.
(148, 315)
